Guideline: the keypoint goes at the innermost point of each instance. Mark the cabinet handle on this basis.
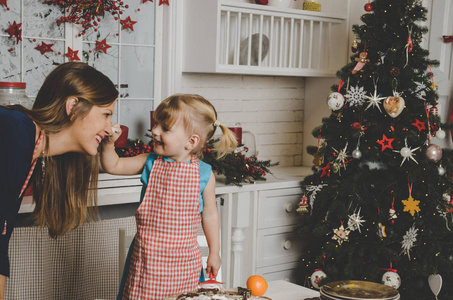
(287, 245)
(289, 207)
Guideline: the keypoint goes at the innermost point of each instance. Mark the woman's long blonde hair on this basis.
(65, 188)
(199, 117)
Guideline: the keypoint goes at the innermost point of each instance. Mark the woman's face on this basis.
(89, 131)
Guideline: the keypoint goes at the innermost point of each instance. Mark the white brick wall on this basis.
(269, 107)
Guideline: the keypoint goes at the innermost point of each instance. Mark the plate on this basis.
(359, 290)
(244, 51)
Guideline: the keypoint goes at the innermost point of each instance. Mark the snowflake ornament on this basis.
(411, 205)
(341, 234)
(408, 241)
(313, 189)
(355, 96)
(420, 91)
(355, 221)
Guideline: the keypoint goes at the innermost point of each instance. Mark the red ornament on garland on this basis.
(102, 46)
(44, 48)
(16, 31)
(385, 142)
(368, 7)
(72, 55)
(128, 23)
(164, 2)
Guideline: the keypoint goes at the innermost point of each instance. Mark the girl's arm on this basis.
(211, 227)
(113, 164)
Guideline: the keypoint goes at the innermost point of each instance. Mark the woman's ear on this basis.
(193, 142)
(71, 102)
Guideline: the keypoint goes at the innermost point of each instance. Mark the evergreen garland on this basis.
(236, 167)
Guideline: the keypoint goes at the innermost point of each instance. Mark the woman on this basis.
(57, 141)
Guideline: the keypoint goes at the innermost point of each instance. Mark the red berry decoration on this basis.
(368, 7)
(86, 13)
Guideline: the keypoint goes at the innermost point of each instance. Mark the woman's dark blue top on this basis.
(17, 142)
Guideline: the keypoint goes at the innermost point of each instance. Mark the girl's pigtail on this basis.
(227, 142)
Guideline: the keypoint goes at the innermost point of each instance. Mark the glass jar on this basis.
(14, 93)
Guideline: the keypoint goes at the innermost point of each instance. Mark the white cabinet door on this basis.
(440, 23)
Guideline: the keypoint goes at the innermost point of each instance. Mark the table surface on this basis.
(284, 290)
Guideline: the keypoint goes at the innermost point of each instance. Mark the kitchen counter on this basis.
(114, 189)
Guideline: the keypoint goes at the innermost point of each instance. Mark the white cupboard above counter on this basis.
(222, 36)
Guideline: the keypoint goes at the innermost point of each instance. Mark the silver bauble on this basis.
(433, 153)
(357, 154)
(441, 171)
(440, 134)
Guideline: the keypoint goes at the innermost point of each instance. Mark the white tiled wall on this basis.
(269, 107)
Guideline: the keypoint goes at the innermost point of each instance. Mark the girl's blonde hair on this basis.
(65, 189)
(199, 117)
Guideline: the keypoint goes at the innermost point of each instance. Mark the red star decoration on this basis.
(102, 46)
(14, 30)
(419, 124)
(142, 1)
(72, 55)
(385, 142)
(44, 48)
(164, 2)
(326, 170)
(3, 2)
(128, 23)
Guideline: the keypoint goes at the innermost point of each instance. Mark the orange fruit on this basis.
(257, 285)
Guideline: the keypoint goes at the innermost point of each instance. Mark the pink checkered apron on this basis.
(166, 259)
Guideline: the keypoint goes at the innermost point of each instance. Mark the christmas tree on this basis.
(378, 205)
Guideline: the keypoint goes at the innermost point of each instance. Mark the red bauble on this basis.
(356, 126)
(368, 7)
(392, 222)
(262, 2)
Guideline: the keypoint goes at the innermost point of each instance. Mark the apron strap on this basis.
(33, 165)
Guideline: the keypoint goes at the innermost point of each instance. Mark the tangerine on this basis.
(257, 285)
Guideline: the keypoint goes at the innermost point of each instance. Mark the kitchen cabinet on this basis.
(257, 221)
(222, 36)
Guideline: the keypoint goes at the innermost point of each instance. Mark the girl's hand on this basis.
(116, 132)
(213, 264)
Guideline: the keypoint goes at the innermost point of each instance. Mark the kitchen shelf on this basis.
(223, 36)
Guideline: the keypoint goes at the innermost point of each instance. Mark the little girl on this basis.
(177, 186)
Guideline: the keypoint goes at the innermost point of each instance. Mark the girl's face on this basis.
(171, 142)
(89, 131)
